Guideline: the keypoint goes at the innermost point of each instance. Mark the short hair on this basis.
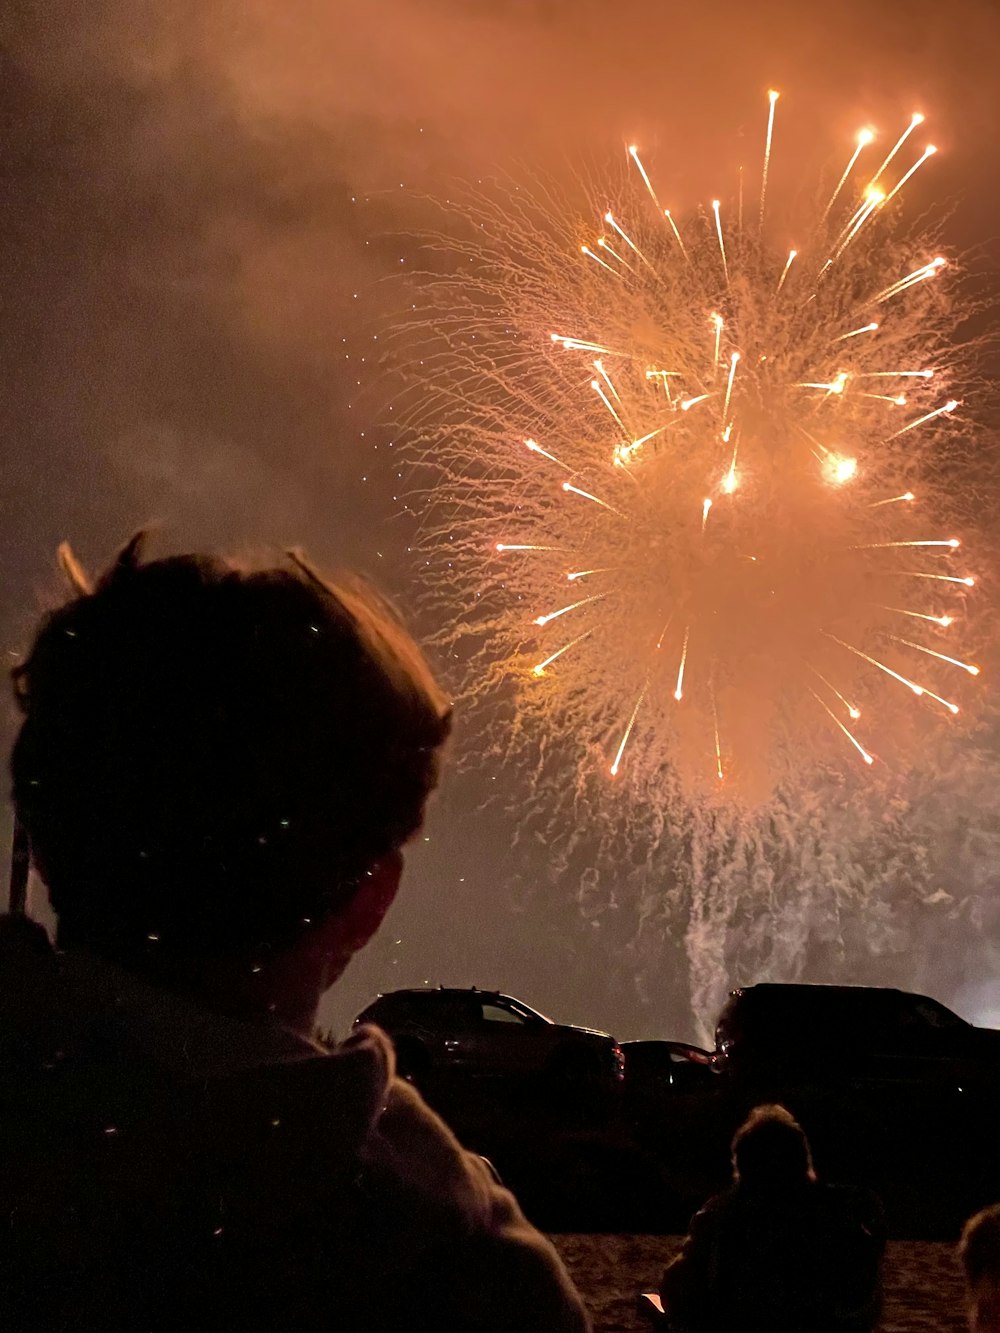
(979, 1248)
(212, 756)
(771, 1148)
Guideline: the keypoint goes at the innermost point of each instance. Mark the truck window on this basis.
(495, 1013)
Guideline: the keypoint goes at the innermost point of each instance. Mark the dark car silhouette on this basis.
(669, 1065)
(864, 1034)
(488, 1034)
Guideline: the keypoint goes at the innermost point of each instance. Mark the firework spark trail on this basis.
(730, 587)
(864, 138)
(722, 243)
(915, 120)
(772, 97)
(784, 271)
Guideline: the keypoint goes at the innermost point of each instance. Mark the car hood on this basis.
(574, 1030)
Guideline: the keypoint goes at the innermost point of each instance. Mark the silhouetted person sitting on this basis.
(217, 770)
(778, 1252)
(980, 1254)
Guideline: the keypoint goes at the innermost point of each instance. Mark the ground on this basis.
(923, 1282)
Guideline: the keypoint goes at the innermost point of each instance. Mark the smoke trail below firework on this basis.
(690, 486)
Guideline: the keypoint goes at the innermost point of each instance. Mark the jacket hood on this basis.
(92, 1051)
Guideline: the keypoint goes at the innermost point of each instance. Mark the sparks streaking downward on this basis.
(739, 480)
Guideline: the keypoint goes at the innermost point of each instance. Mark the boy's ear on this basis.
(375, 895)
(350, 929)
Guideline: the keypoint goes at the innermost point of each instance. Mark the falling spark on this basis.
(784, 271)
(586, 250)
(915, 120)
(918, 275)
(943, 621)
(718, 745)
(865, 203)
(599, 367)
(585, 573)
(739, 208)
(734, 361)
(722, 244)
(503, 546)
(874, 199)
(535, 448)
(929, 151)
(948, 408)
(679, 688)
(868, 758)
(688, 403)
(864, 138)
(943, 657)
(907, 496)
(967, 582)
(946, 703)
(609, 219)
(575, 490)
(865, 328)
(634, 154)
(867, 657)
(772, 98)
(565, 610)
(664, 376)
(706, 505)
(596, 386)
(576, 344)
(952, 543)
(602, 241)
(852, 711)
(718, 322)
(729, 481)
(895, 374)
(539, 668)
(669, 216)
(628, 732)
(625, 451)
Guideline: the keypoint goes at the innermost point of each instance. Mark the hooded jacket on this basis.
(802, 1257)
(166, 1168)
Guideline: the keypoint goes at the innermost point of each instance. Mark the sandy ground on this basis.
(923, 1283)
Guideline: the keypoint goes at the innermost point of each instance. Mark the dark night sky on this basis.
(191, 277)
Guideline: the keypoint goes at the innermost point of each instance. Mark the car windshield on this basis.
(522, 1009)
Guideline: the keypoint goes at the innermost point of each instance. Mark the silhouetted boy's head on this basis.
(212, 758)
(770, 1149)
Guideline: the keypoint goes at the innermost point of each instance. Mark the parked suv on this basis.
(826, 1033)
(487, 1033)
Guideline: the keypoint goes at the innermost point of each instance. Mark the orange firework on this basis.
(731, 455)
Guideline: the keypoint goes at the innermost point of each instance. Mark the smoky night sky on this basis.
(201, 213)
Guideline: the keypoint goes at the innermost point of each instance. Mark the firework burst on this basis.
(690, 483)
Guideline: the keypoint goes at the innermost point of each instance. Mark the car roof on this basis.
(824, 996)
(447, 990)
(770, 989)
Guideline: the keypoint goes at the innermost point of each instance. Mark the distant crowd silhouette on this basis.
(217, 770)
